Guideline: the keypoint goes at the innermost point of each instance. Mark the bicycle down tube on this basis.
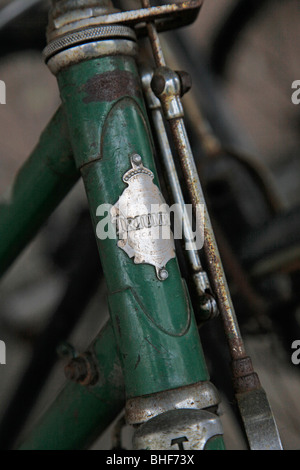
(169, 399)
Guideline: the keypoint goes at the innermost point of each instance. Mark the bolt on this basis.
(166, 86)
(185, 81)
(81, 370)
(165, 82)
(244, 377)
(137, 159)
(158, 84)
(169, 82)
(76, 370)
(208, 308)
(163, 274)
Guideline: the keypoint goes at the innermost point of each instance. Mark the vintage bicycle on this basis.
(148, 357)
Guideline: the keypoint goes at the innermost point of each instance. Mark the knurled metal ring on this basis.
(87, 35)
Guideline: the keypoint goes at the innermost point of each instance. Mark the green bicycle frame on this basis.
(101, 124)
(153, 320)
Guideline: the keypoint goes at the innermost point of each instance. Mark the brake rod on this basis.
(254, 407)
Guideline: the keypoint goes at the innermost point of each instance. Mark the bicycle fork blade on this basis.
(258, 420)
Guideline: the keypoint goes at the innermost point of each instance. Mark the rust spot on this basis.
(244, 377)
(82, 369)
(214, 263)
(241, 367)
(110, 86)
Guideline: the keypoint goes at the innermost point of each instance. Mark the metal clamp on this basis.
(166, 17)
(196, 396)
(87, 35)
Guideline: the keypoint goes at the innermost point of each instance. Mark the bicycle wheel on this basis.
(256, 53)
(257, 59)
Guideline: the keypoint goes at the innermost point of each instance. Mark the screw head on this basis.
(137, 159)
(185, 81)
(163, 274)
(76, 369)
(158, 84)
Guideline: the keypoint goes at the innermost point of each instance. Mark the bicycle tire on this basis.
(264, 33)
(255, 52)
(227, 35)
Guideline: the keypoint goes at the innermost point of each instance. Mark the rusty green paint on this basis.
(81, 413)
(40, 185)
(155, 334)
(153, 321)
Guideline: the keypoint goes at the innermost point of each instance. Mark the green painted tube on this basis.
(40, 185)
(153, 321)
(81, 413)
(215, 443)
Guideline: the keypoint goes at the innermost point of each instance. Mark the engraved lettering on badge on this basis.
(142, 220)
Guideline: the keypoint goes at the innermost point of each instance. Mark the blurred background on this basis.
(243, 57)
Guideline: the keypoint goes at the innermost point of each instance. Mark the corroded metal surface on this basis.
(168, 95)
(260, 427)
(217, 276)
(82, 369)
(166, 16)
(91, 50)
(196, 396)
(178, 429)
(207, 307)
(246, 382)
(166, 85)
(110, 86)
(87, 35)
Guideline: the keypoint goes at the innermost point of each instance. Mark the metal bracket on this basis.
(187, 429)
(166, 17)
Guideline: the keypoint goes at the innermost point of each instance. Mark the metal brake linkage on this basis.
(207, 305)
(254, 408)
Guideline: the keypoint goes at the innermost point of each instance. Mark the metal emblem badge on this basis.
(143, 221)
